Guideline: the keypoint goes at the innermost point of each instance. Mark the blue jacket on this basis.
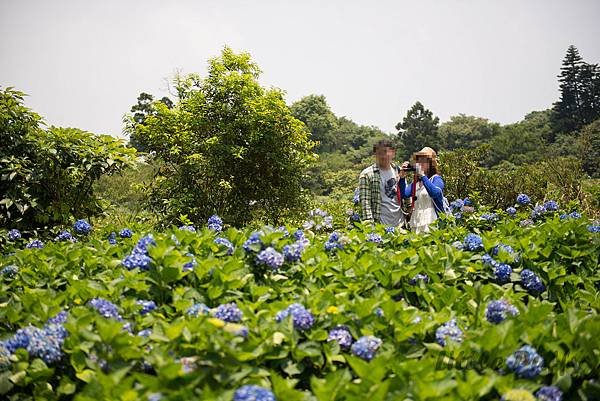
(434, 187)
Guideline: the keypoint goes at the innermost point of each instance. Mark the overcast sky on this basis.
(83, 63)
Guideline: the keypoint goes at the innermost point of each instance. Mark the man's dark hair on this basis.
(383, 143)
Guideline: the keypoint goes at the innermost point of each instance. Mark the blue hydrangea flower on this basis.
(502, 271)
(572, 215)
(302, 318)
(489, 217)
(228, 313)
(457, 205)
(189, 228)
(355, 217)
(525, 362)
(526, 223)
(293, 252)
(342, 335)
(594, 228)
(147, 306)
(419, 277)
(390, 229)
(197, 310)
(497, 311)
(319, 220)
(523, 199)
(376, 238)
(65, 235)
(458, 245)
(19, 340)
(379, 312)
(253, 241)
(270, 257)
(82, 227)
(549, 393)
(191, 264)
(467, 202)
(226, 243)
(59, 318)
(531, 281)
(14, 235)
(36, 243)
(356, 197)
(9, 271)
(145, 333)
(253, 393)
(473, 242)
(284, 230)
(215, 223)
(333, 242)
(46, 344)
(508, 249)
(299, 234)
(125, 233)
(551, 206)
(448, 331)
(511, 211)
(488, 260)
(537, 212)
(105, 308)
(366, 347)
(135, 260)
(112, 238)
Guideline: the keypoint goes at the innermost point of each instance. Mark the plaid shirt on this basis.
(369, 192)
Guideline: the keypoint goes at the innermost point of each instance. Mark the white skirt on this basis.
(424, 212)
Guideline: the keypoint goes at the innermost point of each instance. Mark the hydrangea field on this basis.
(488, 306)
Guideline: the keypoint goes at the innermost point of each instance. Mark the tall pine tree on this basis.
(579, 102)
(419, 128)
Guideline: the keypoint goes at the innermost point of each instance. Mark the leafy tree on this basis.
(230, 147)
(419, 128)
(467, 132)
(589, 148)
(314, 111)
(46, 175)
(141, 110)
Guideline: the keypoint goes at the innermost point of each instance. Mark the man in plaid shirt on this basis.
(378, 188)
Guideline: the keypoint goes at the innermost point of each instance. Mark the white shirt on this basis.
(424, 212)
(391, 214)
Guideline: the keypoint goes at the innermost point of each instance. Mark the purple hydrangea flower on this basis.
(448, 331)
(376, 238)
(525, 362)
(523, 199)
(549, 393)
(293, 252)
(147, 306)
(473, 242)
(215, 223)
(253, 393)
(497, 311)
(226, 243)
(14, 235)
(366, 347)
(253, 242)
(82, 227)
(36, 243)
(342, 335)
(197, 310)
(551, 206)
(302, 318)
(9, 271)
(105, 308)
(419, 277)
(228, 313)
(189, 228)
(270, 257)
(526, 223)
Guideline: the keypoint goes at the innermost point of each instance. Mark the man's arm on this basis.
(364, 192)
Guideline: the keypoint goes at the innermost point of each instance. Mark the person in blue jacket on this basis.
(426, 191)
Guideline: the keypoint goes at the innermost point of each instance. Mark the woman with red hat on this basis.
(426, 191)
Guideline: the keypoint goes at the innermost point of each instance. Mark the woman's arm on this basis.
(405, 190)
(434, 187)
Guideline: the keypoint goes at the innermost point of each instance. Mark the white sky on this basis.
(83, 63)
